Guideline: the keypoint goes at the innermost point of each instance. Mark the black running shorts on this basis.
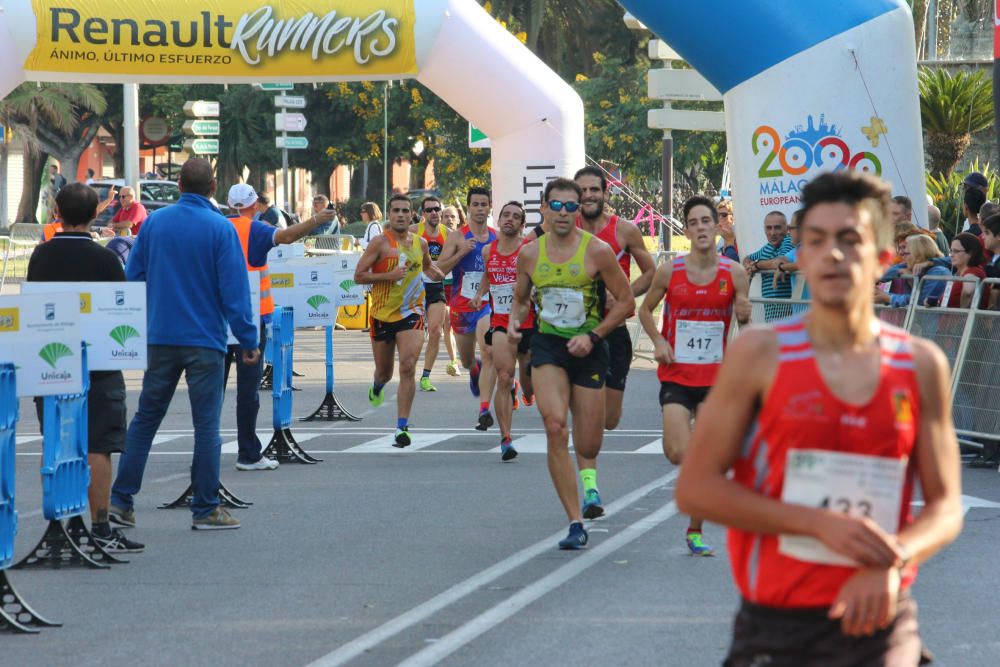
(588, 372)
(386, 331)
(620, 358)
(434, 293)
(523, 346)
(679, 394)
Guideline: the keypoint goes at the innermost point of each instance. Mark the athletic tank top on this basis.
(696, 321)
(609, 234)
(502, 270)
(468, 273)
(799, 443)
(396, 300)
(568, 303)
(434, 245)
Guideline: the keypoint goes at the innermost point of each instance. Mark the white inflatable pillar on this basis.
(807, 86)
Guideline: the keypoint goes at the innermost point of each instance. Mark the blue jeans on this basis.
(247, 399)
(203, 369)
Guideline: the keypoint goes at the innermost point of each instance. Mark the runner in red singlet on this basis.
(500, 259)
(702, 292)
(824, 422)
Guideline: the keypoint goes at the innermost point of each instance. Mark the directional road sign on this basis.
(199, 128)
(290, 102)
(681, 84)
(276, 86)
(289, 122)
(676, 119)
(291, 143)
(202, 146)
(201, 108)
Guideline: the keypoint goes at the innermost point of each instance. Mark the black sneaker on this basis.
(485, 421)
(116, 542)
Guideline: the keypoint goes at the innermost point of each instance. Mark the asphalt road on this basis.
(439, 554)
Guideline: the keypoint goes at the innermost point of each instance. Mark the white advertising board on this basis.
(40, 334)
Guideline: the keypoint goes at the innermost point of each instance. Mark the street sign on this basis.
(202, 146)
(660, 50)
(275, 86)
(154, 131)
(201, 108)
(291, 143)
(289, 122)
(681, 84)
(290, 102)
(675, 119)
(199, 128)
(478, 138)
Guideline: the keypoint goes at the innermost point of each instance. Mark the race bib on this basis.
(503, 298)
(562, 307)
(470, 283)
(699, 342)
(855, 484)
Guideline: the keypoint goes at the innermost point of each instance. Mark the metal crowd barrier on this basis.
(24, 236)
(283, 446)
(976, 374)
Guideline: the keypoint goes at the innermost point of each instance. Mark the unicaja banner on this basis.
(40, 334)
(225, 38)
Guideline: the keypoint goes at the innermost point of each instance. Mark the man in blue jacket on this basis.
(196, 281)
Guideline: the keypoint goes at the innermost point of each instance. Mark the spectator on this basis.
(90, 176)
(71, 257)
(967, 260)
(372, 215)
(988, 209)
(991, 239)
(269, 213)
(727, 231)
(924, 259)
(786, 267)
(975, 181)
(901, 209)
(934, 226)
(895, 275)
(57, 180)
(778, 245)
(130, 215)
(192, 262)
(319, 203)
(972, 203)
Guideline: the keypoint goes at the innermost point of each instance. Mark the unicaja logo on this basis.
(315, 302)
(53, 352)
(122, 334)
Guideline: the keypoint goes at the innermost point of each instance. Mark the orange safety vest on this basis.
(242, 225)
(50, 230)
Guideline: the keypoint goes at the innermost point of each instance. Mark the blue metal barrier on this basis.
(65, 473)
(8, 425)
(283, 446)
(330, 409)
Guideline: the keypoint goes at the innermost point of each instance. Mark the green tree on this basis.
(953, 107)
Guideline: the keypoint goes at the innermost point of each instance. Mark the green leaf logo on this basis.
(53, 352)
(122, 333)
(347, 285)
(316, 301)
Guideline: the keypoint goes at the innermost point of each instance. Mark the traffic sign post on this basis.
(289, 122)
(202, 146)
(201, 128)
(290, 102)
(201, 108)
(285, 122)
(291, 143)
(275, 87)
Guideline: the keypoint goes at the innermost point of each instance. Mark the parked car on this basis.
(153, 194)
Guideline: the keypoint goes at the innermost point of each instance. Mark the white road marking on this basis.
(655, 447)
(422, 612)
(25, 439)
(383, 444)
(492, 617)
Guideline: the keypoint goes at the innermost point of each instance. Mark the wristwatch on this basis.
(594, 338)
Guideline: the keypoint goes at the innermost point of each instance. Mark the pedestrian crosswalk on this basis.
(350, 439)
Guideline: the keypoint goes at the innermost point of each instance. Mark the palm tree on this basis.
(47, 117)
(952, 108)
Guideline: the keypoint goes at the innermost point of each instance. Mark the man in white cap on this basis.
(256, 239)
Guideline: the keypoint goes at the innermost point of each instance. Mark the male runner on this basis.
(702, 290)
(569, 358)
(463, 256)
(434, 233)
(501, 275)
(828, 418)
(392, 264)
(626, 242)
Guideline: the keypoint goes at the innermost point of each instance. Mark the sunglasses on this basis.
(570, 206)
(433, 209)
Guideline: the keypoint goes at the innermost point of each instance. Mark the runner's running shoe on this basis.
(402, 438)
(425, 385)
(696, 546)
(452, 369)
(576, 539)
(527, 400)
(485, 421)
(592, 508)
(374, 399)
(507, 451)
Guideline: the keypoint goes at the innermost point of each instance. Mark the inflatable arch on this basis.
(533, 118)
(807, 85)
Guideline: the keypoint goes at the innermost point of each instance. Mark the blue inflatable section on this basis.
(731, 41)
(282, 340)
(8, 427)
(65, 472)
